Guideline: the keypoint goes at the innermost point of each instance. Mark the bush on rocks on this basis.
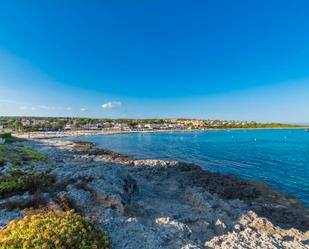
(52, 230)
(5, 135)
(19, 184)
(18, 156)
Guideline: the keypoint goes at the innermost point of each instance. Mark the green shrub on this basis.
(12, 185)
(19, 156)
(53, 230)
(23, 182)
(30, 154)
(5, 135)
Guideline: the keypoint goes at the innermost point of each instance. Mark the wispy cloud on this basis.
(83, 109)
(31, 108)
(8, 101)
(44, 107)
(111, 105)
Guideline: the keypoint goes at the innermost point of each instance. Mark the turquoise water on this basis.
(277, 157)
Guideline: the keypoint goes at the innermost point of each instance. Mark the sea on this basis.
(278, 157)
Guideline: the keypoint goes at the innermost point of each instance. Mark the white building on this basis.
(148, 126)
(69, 127)
(125, 128)
(26, 122)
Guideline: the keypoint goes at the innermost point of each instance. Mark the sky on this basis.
(209, 59)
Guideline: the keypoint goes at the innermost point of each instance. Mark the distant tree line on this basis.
(52, 123)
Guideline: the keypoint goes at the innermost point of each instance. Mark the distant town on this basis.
(56, 124)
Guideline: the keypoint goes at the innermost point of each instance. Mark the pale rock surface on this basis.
(154, 204)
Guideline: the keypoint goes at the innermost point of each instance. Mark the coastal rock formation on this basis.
(158, 204)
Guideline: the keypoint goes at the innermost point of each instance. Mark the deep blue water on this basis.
(277, 157)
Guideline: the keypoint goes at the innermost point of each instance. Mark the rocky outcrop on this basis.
(159, 204)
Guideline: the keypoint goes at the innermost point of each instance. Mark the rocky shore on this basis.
(161, 204)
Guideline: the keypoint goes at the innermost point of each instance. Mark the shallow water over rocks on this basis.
(279, 158)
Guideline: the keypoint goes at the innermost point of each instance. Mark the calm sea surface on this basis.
(277, 157)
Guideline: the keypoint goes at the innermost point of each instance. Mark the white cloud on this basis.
(83, 109)
(33, 108)
(111, 105)
(43, 107)
(23, 108)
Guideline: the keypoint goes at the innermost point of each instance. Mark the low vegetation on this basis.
(14, 179)
(5, 135)
(39, 228)
(53, 230)
(20, 182)
(18, 155)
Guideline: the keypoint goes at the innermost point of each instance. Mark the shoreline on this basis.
(75, 138)
(168, 204)
(130, 159)
(78, 133)
(119, 155)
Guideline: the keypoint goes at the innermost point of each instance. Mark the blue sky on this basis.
(237, 60)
